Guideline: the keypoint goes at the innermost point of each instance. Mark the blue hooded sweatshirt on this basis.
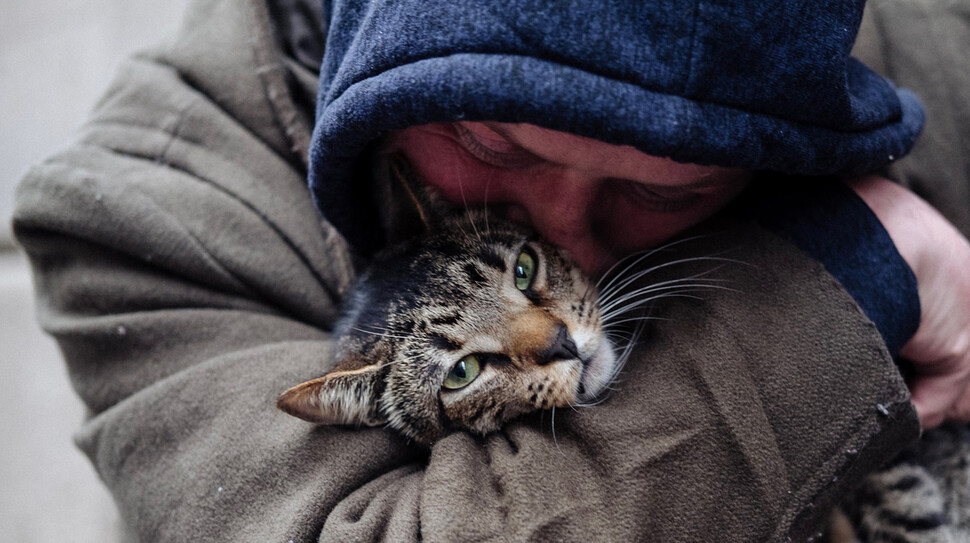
(761, 85)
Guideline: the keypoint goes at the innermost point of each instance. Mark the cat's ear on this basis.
(340, 397)
(413, 207)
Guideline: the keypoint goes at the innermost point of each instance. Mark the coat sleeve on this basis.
(188, 280)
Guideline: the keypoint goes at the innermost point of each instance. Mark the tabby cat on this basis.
(464, 327)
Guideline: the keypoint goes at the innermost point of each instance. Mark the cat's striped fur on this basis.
(426, 304)
(923, 496)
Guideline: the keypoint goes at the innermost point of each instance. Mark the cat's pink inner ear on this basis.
(340, 397)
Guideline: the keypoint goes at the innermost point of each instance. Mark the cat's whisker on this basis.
(642, 300)
(380, 334)
(378, 328)
(619, 288)
(620, 322)
(468, 212)
(594, 403)
(630, 261)
(676, 283)
(637, 303)
(619, 335)
(694, 279)
(642, 296)
(642, 273)
(488, 183)
(636, 258)
(554, 438)
(625, 355)
(620, 282)
(635, 336)
(621, 359)
(615, 330)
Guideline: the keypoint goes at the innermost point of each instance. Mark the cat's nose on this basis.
(562, 348)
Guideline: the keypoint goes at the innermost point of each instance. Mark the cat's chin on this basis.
(598, 373)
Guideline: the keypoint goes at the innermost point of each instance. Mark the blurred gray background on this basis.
(55, 60)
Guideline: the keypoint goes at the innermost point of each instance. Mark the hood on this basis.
(763, 85)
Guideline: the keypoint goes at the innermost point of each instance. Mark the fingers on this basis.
(960, 411)
(941, 396)
(931, 406)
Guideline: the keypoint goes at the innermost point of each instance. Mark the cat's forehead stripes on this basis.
(490, 257)
(474, 275)
(445, 320)
(442, 342)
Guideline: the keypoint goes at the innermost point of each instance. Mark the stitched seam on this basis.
(273, 74)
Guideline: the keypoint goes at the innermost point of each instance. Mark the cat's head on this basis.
(466, 325)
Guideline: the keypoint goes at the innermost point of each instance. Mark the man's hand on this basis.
(940, 258)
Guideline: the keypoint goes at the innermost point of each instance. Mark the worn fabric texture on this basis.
(182, 268)
(757, 85)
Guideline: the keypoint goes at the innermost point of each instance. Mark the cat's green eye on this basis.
(463, 373)
(525, 271)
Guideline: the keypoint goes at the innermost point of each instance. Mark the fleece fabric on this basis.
(759, 85)
(182, 268)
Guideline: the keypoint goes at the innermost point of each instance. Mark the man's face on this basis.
(597, 201)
